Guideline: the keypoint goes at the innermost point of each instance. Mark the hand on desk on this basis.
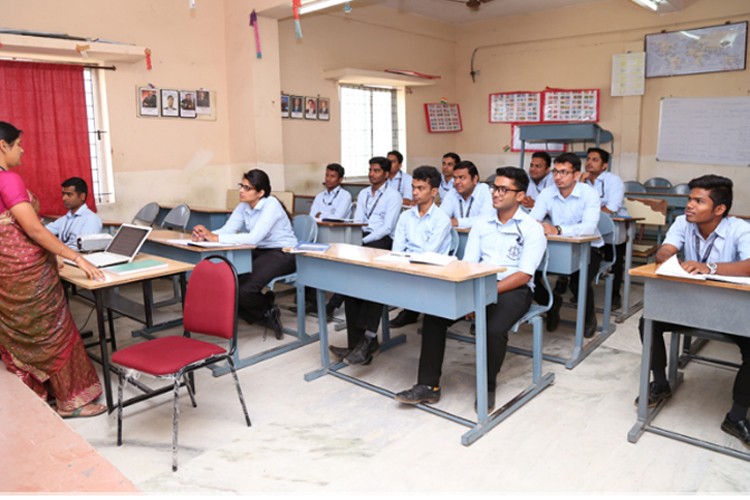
(92, 272)
(549, 228)
(200, 233)
(694, 267)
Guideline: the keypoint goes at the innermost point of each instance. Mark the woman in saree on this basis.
(39, 342)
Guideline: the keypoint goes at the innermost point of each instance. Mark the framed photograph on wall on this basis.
(284, 106)
(148, 101)
(298, 109)
(170, 102)
(311, 108)
(324, 108)
(187, 104)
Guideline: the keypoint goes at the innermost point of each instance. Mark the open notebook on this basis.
(672, 267)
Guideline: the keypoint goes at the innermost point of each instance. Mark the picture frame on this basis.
(324, 108)
(297, 107)
(170, 103)
(203, 102)
(311, 108)
(711, 49)
(284, 100)
(148, 101)
(187, 104)
(443, 117)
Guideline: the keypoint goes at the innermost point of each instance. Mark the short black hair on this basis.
(454, 156)
(544, 156)
(719, 189)
(78, 184)
(336, 168)
(398, 156)
(427, 173)
(604, 155)
(384, 162)
(473, 171)
(517, 175)
(571, 158)
(8, 132)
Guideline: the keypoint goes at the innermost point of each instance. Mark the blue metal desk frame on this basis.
(692, 303)
(427, 294)
(628, 310)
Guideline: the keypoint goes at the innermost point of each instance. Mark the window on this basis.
(99, 144)
(369, 126)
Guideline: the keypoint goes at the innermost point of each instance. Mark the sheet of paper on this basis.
(672, 267)
(397, 258)
(209, 244)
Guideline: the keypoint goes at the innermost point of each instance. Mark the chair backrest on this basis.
(490, 179)
(634, 187)
(305, 228)
(545, 281)
(657, 183)
(147, 214)
(211, 299)
(683, 188)
(606, 228)
(303, 204)
(177, 218)
(453, 249)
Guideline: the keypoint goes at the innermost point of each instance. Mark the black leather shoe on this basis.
(490, 401)
(561, 285)
(330, 309)
(589, 328)
(363, 353)
(616, 302)
(273, 321)
(740, 430)
(405, 317)
(340, 352)
(657, 394)
(553, 315)
(419, 394)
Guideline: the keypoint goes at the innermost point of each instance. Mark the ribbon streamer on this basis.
(149, 66)
(296, 4)
(254, 24)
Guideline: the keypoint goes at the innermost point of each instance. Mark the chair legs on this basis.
(120, 383)
(230, 362)
(188, 380)
(175, 422)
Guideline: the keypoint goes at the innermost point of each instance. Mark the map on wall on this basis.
(703, 50)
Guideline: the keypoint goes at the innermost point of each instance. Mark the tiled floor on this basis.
(331, 436)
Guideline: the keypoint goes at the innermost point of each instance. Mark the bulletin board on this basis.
(519, 107)
(443, 117)
(579, 105)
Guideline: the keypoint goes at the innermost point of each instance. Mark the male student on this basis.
(379, 207)
(611, 191)
(450, 160)
(468, 201)
(573, 208)
(398, 179)
(508, 237)
(79, 220)
(713, 243)
(333, 202)
(539, 175)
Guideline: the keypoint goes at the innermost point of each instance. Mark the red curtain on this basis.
(47, 102)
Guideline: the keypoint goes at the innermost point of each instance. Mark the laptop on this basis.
(122, 249)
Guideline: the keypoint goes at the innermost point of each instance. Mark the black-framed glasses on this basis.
(562, 173)
(245, 187)
(502, 190)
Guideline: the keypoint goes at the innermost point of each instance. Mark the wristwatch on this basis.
(559, 229)
(711, 267)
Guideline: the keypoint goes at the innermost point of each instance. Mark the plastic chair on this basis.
(657, 184)
(147, 214)
(453, 249)
(490, 179)
(210, 309)
(634, 187)
(177, 218)
(683, 188)
(606, 228)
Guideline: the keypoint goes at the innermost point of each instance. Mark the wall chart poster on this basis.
(515, 107)
(580, 105)
(443, 117)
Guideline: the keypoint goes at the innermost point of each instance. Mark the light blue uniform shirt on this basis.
(611, 191)
(430, 233)
(730, 241)
(519, 244)
(468, 211)
(380, 212)
(445, 187)
(335, 204)
(401, 183)
(534, 189)
(265, 226)
(577, 215)
(72, 225)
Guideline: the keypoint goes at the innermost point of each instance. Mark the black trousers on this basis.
(595, 257)
(741, 390)
(268, 263)
(618, 267)
(501, 316)
(362, 315)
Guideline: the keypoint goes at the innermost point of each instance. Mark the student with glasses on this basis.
(509, 238)
(573, 208)
(79, 220)
(261, 220)
(540, 177)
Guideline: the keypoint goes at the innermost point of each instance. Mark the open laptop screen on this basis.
(128, 240)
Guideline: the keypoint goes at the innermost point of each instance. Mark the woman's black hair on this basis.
(8, 132)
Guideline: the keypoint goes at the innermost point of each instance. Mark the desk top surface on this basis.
(649, 271)
(551, 237)
(365, 256)
(77, 277)
(162, 236)
(627, 219)
(198, 208)
(340, 224)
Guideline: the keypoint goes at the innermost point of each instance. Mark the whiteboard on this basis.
(713, 131)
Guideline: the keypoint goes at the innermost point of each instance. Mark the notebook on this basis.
(122, 249)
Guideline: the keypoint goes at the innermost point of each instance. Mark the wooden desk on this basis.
(696, 304)
(451, 291)
(211, 217)
(99, 290)
(340, 232)
(626, 311)
(158, 244)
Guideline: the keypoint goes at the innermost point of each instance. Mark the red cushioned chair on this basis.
(210, 309)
